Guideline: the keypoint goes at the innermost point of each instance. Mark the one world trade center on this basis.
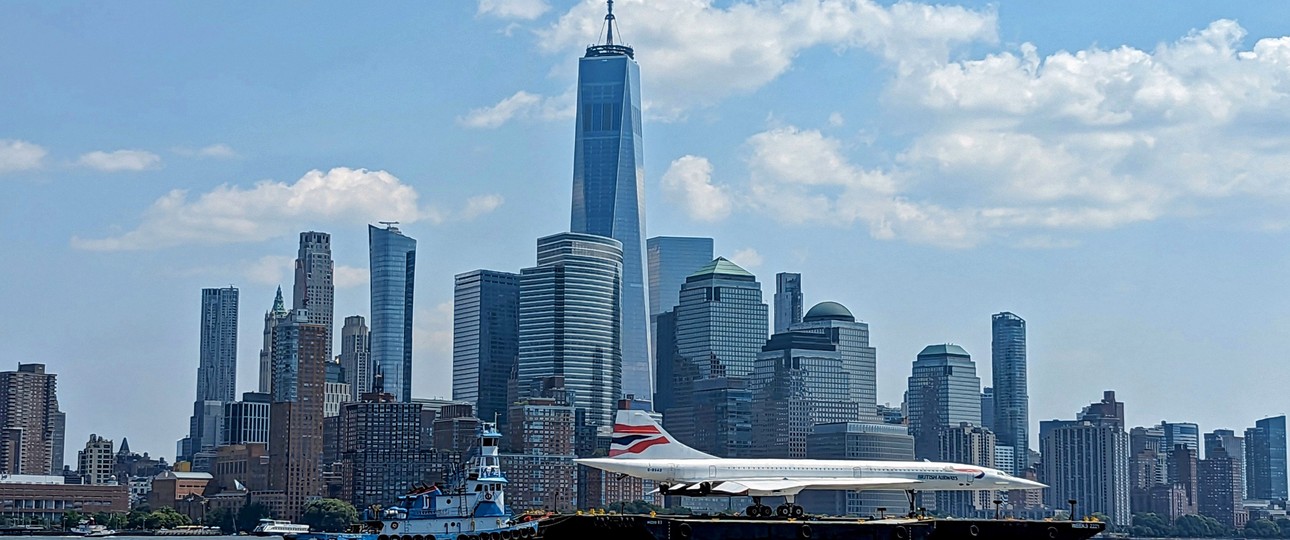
(609, 187)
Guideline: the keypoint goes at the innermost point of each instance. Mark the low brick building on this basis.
(34, 498)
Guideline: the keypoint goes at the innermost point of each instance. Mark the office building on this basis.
(40, 499)
(272, 317)
(670, 362)
(713, 415)
(381, 452)
(788, 300)
(1182, 465)
(485, 338)
(859, 441)
(944, 392)
(32, 438)
(1265, 459)
(539, 446)
(96, 462)
(987, 409)
(851, 337)
(296, 413)
(1220, 488)
(216, 369)
(799, 381)
(1088, 460)
(1232, 447)
(970, 445)
(569, 320)
(393, 272)
(672, 259)
(356, 356)
(246, 421)
(314, 292)
(721, 316)
(609, 190)
(1010, 418)
(335, 389)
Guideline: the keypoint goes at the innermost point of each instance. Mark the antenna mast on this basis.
(609, 24)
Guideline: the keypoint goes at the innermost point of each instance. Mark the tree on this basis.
(136, 519)
(1151, 525)
(328, 515)
(166, 518)
(1262, 528)
(222, 518)
(250, 515)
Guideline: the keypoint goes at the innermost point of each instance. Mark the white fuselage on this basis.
(922, 475)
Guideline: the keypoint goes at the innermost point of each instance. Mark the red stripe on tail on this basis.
(639, 447)
(624, 428)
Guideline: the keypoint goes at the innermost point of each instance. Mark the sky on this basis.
(1116, 173)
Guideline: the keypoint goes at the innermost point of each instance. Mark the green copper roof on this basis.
(947, 349)
(829, 311)
(279, 307)
(723, 266)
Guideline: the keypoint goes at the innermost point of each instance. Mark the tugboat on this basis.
(475, 510)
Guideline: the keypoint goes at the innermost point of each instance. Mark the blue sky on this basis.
(1115, 173)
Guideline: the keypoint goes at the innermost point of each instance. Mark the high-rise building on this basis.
(296, 413)
(246, 421)
(539, 445)
(272, 317)
(314, 292)
(485, 338)
(1182, 465)
(217, 368)
(1148, 471)
(1220, 476)
(31, 440)
(672, 259)
(851, 337)
(1265, 459)
(381, 453)
(788, 300)
(987, 409)
(970, 445)
(609, 188)
(669, 363)
(1184, 435)
(569, 320)
(96, 461)
(335, 390)
(799, 381)
(856, 440)
(1011, 417)
(356, 356)
(393, 271)
(713, 415)
(944, 392)
(721, 316)
(1088, 460)
(1231, 446)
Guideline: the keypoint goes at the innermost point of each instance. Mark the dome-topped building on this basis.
(829, 311)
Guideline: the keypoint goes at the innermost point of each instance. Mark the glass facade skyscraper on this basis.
(1011, 411)
(671, 260)
(609, 188)
(944, 392)
(569, 322)
(835, 321)
(721, 320)
(788, 300)
(393, 267)
(1265, 459)
(485, 339)
(217, 368)
(799, 381)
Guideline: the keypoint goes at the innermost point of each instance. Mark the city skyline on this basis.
(1123, 293)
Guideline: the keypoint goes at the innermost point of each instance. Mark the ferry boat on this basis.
(90, 529)
(278, 527)
(475, 510)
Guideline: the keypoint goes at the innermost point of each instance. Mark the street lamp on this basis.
(996, 502)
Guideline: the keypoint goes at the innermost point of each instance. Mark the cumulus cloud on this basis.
(479, 205)
(120, 160)
(747, 258)
(18, 155)
(520, 105)
(688, 182)
(231, 213)
(514, 9)
(345, 277)
(270, 269)
(215, 151)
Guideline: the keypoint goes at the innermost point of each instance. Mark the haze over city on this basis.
(1114, 174)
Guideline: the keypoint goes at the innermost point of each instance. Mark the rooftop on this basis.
(829, 311)
(722, 266)
(945, 349)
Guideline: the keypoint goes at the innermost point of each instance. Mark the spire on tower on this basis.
(609, 24)
(609, 48)
(279, 306)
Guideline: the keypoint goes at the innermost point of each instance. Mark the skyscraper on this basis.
(31, 426)
(1265, 459)
(1220, 476)
(609, 188)
(485, 339)
(721, 317)
(216, 370)
(569, 320)
(393, 267)
(1011, 419)
(314, 293)
(296, 413)
(356, 356)
(835, 321)
(671, 260)
(971, 445)
(1224, 442)
(944, 392)
(788, 300)
(271, 320)
(799, 381)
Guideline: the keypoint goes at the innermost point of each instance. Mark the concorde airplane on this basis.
(643, 449)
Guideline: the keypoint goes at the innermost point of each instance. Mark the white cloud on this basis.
(18, 155)
(432, 350)
(120, 160)
(688, 181)
(345, 277)
(231, 213)
(520, 105)
(270, 269)
(215, 151)
(479, 205)
(836, 120)
(747, 258)
(514, 9)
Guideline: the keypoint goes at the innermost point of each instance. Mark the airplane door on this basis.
(712, 471)
(671, 472)
(856, 472)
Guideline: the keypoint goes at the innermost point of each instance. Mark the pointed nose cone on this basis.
(1030, 484)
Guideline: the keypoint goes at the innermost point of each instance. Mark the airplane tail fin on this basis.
(638, 436)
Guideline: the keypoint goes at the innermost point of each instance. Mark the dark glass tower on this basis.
(609, 187)
(485, 339)
(1011, 422)
(1265, 459)
(393, 263)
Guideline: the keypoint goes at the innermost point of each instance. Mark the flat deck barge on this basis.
(644, 527)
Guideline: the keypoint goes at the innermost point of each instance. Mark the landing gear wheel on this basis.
(765, 511)
(752, 510)
(798, 511)
(783, 510)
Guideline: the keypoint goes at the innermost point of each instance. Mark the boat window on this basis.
(479, 487)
